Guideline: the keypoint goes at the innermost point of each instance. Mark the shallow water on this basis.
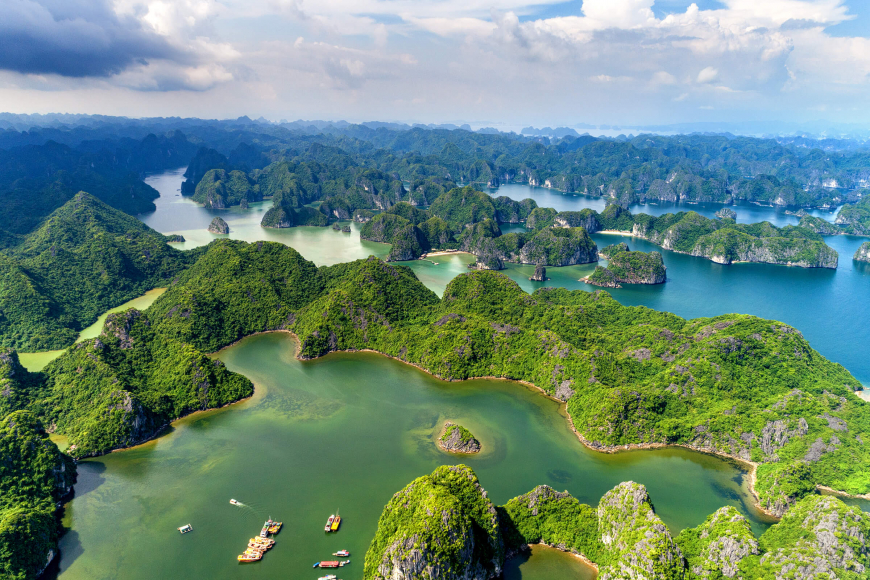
(343, 433)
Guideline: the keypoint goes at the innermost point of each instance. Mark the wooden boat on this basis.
(265, 531)
(258, 547)
(342, 553)
(186, 528)
(250, 557)
(328, 564)
(328, 527)
(275, 527)
(263, 541)
(335, 523)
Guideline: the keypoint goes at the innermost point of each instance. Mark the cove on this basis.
(343, 432)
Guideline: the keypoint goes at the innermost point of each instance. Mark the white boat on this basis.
(185, 529)
(234, 502)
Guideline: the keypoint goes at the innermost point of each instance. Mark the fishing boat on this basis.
(335, 523)
(250, 557)
(343, 563)
(186, 528)
(236, 502)
(328, 564)
(265, 531)
(275, 527)
(328, 527)
(263, 541)
(258, 547)
(342, 553)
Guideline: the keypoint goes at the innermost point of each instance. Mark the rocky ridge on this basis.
(457, 439)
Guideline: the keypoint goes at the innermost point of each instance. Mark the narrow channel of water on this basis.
(36, 361)
(344, 433)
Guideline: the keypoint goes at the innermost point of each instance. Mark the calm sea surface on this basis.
(347, 431)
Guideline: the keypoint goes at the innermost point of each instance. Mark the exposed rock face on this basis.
(440, 526)
(608, 252)
(540, 274)
(819, 226)
(362, 216)
(820, 537)
(718, 545)
(558, 247)
(638, 267)
(218, 226)
(863, 253)
(603, 277)
(726, 213)
(457, 439)
(640, 544)
(346, 229)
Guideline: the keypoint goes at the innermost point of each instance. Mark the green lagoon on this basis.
(347, 431)
(344, 433)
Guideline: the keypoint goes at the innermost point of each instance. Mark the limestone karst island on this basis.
(434, 290)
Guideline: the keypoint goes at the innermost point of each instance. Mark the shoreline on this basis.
(749, 467)
(442, 253)
(577, 555)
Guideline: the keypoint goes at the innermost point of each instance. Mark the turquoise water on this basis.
(830, 307)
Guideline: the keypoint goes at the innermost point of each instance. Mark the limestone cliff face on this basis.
(726, 213)
(639, 543)
(821, 537)
(863, 253)
(441, 526)
(718, 546)
(457, 439)
(218, 226)
(540, 274)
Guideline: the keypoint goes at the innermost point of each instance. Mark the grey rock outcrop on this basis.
(863, 253)
(218, 226)
(540, 274)
(457, 439)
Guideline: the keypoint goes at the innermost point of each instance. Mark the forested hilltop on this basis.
(734, 385)
(622, 536)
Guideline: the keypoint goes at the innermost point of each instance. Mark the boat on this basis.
(250, 557)
(342, 553)
(236, 502)
(186, 528)
(275, 527)
(265, 531)
(343, 563)
(259, 547)
(328, 564)
(335, 523)
(263, 541)
(328, 527)
(328, 577)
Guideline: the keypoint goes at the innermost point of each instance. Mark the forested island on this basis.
(734, 385)
(622, 537)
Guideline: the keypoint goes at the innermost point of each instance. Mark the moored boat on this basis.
(328, 527)
(335, 523)
(265, 531)
(328, 564)
(328, 577)
(250, 557)
(342, 553)
(185, 528)
(343, 563)
(275, 527)
(263, 541)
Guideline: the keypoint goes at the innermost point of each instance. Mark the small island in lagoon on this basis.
(457, 439)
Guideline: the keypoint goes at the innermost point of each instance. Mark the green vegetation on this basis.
(458, 439)
(219, 189)
(632, 267)
(609, 251)
(603, 277)
(425, 526)
(736, 384)
(716, 548)
(34, 476)
(463, 206)
(855, 219)
(85, 258)
(862, 254)
(440, 526)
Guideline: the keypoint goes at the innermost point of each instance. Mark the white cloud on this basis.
(708, 75)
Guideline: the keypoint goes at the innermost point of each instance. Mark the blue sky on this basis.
(506, 63)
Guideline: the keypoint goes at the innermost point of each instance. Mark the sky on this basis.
(502, 63)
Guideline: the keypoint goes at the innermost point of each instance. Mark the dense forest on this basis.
(444, 525)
